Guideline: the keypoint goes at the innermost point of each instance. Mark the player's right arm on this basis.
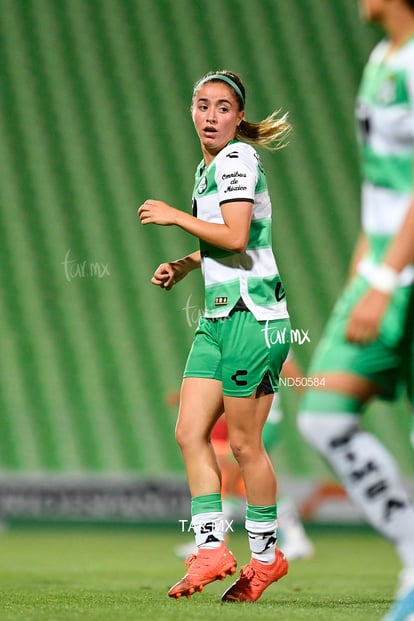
(401, 251)
(366, 317)
(360, 250)
(169, 274)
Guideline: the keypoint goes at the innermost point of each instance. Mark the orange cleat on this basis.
(204, 567)
(255, 577)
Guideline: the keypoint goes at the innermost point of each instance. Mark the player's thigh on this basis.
(246, 417)
(201, 404)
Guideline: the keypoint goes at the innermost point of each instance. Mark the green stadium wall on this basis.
(94, 119)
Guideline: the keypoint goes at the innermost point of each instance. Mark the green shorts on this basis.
(382, 360)
(408, 351)
(239, 351)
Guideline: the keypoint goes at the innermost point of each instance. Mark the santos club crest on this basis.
(202, 186)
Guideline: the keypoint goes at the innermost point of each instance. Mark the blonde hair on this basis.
(270, 133)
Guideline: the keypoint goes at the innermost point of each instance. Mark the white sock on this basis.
(208, 529)
(262, 539)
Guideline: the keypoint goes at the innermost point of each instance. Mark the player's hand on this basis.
(164, 276)
(156, 212)
(168, 274)
(365, 319)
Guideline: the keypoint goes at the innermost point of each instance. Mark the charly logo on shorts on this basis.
(237, 374)
(202, 186)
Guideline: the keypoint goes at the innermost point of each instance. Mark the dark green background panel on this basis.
(94, 119)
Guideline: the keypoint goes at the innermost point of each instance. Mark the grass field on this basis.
(123, 575)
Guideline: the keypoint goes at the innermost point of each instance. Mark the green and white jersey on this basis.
(236, 174)
(385, 114)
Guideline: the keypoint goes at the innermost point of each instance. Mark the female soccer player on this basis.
(241, 341)
(356, 368)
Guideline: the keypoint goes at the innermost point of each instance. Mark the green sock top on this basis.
(261, 514)
(207, 503)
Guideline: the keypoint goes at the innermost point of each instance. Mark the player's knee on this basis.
(190, 437)
(184, 437)
(242, 449)
(180, 436)
(321, 430)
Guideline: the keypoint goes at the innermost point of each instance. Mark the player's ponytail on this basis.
(269, 133)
